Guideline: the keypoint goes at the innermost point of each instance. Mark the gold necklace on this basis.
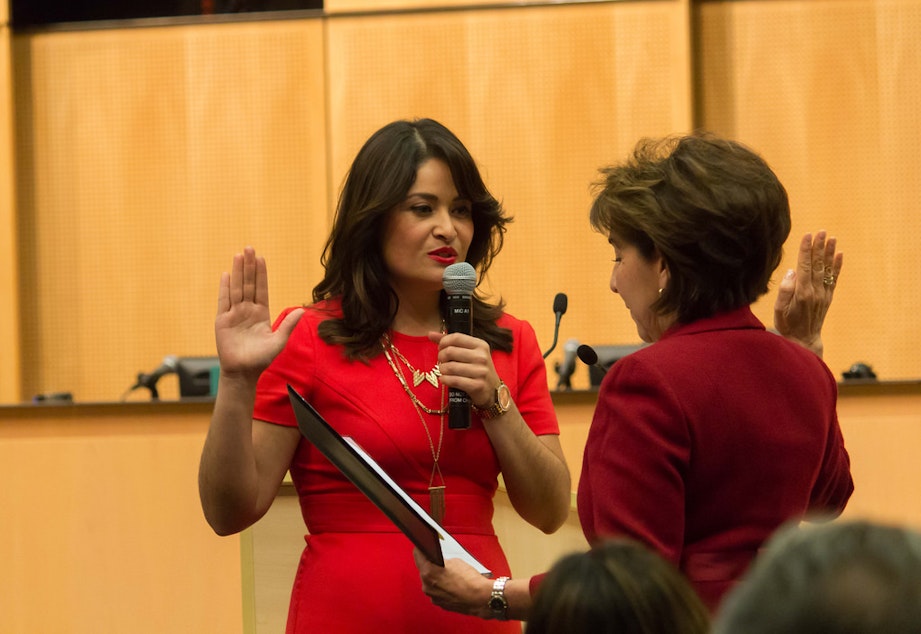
(436, 492)
(418, 376)
(387, 346)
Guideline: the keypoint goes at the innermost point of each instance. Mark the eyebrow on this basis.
(427, 196)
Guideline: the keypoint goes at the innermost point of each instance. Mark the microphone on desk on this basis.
(566, 369)
(169, 366)
(587, 354)
(459, 280)
(560, 303)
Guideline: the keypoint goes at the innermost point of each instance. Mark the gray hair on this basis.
(845, 577)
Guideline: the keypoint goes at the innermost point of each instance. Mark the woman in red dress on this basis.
(371, 354)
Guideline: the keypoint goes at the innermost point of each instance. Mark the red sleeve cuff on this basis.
(535, 582)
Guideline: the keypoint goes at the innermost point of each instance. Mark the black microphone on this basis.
(587, 354)
(459, 281)
(169, 365)
(559, 308)
(566, 369)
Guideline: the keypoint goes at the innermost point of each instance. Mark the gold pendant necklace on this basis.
(387, 346)
(418, 376)
(436, 492)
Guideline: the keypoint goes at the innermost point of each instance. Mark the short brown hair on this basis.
(711, 207)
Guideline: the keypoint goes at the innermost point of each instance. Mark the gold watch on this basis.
(499, 406)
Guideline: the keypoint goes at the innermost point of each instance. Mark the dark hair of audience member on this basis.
(617, 587)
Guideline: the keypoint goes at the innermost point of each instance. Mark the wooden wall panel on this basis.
(339, 6)
(102, 528)
(542, 96)
(829, 92)
(9, 264)
(148, 158)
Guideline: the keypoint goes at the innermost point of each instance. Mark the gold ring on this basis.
(829, 280)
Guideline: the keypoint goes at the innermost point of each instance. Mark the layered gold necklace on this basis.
(436, 491)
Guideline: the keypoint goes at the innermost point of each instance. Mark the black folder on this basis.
(356, 465)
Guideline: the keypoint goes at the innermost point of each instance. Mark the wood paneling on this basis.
(148, 157)
(340, 6)
(102, 528)
(829, 92)
(9, 259)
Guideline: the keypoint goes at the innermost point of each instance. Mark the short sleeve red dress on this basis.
(356, 573)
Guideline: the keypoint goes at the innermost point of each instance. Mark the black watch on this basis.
(499, 406)
(498, 605)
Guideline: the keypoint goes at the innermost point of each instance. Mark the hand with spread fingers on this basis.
(805, 294)
(246, 342)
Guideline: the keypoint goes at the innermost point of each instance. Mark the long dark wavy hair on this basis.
(379, 179)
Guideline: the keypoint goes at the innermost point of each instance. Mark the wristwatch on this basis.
(498, 604)
(498, 407)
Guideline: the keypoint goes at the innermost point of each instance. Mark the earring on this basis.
(660, 291)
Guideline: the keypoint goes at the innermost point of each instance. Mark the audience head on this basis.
(839, 578)
(617, 587)
(711, 208)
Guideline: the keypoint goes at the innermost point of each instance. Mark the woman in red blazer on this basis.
(705, 442)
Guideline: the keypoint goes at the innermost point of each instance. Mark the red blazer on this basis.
(705, 442)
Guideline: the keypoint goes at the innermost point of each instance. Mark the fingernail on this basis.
(789, 275)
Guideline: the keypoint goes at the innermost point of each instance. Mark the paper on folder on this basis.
(450, 547)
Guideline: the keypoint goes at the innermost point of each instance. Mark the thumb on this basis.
(785, 291)
(286, 327)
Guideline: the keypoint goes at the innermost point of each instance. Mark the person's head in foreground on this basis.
(853, 577)
(617, 587)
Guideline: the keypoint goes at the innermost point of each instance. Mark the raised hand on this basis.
(805, 294)
(246, 343)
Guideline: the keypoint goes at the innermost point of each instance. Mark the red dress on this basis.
(705, 442)
(357, 573)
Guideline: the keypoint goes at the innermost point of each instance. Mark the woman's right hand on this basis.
(246, 343)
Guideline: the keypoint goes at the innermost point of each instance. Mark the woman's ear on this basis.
(663, 271)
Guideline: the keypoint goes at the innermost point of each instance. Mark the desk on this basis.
(101, 527)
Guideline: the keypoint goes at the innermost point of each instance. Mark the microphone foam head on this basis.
(560, 303)
(587, 354)
(459, 278)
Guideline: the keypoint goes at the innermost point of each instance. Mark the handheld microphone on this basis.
(169, 365)
(566, 369)
(559, 308)
(459, 281)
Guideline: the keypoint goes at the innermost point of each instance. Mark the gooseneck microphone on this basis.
(459, 280)
(587, 354)
(559, 309)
